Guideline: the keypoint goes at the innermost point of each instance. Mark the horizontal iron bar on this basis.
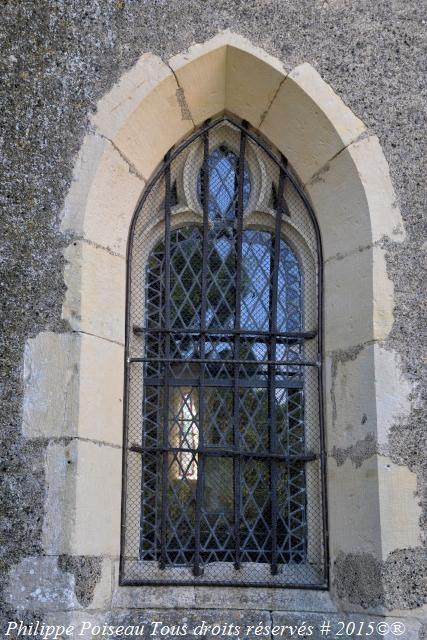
(253, 383)
(306, 335)
(125, 582)
(257, 363)
(224, 453)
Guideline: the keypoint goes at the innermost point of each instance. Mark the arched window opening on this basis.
(223, 475)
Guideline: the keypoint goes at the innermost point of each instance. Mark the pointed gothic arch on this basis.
(344, 174)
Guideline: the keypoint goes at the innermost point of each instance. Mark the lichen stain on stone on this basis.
(407, 446)
(405, 578)
(357, 578)
(397, 583)
(407, 440)
(358, 452)
(87, 573)
(185, 111)
(341, 357)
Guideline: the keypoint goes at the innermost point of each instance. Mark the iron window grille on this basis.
(223, 465)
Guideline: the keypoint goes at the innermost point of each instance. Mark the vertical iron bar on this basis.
(320, 374)
(166, 391)
(236, 401)
(274, 286)
(197, 570)
(304, 505)
(142, 201)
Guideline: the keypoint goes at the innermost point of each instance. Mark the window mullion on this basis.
(272, 439)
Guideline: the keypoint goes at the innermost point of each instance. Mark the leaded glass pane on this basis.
(223, 435)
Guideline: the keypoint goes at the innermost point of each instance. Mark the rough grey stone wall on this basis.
(60, 56)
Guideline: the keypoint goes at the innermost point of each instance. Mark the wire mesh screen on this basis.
(223, 461)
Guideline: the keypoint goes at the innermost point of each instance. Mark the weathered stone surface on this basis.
(51, 385)
(87, 573)
(59, 498)
(374, 507)
(278, 599)
(202, 82)
(153, 596)
(154, 127)
(400, 507)
(60, 58)
(100, 401)
(355, 202)
(83, 494)
(191, 621)
(137, 83)
(95, 298)
(252, 82)
(321, 124)
(351, 625)
(354, 518)
(363, 581)
(96, 520)
(367, 393)
(111, 202)
(229, 73)
(358, 299)
(73, 387)
(40, 584)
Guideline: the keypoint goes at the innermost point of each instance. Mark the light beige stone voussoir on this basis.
(111, 202)
(95, 297)
(100, 401)
(354, 199)
(201, 74)
(374, 177)
(96, 522)
(252, 82)
(348, 126)
(358, 299)
(228, 73)
(159, 121)
(308, 122)
(354, 518)
(85, 168)
(128, 93)
(226, 39)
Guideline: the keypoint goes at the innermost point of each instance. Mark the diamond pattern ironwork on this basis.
(289, 308)
(222, 190)
(223, 422)
(186, 269)
(256, 250)
(255, 524)
(253, 419)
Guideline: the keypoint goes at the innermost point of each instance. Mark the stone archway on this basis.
(346, 177)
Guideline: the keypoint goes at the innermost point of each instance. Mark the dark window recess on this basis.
(223, 461)
(174, 194)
